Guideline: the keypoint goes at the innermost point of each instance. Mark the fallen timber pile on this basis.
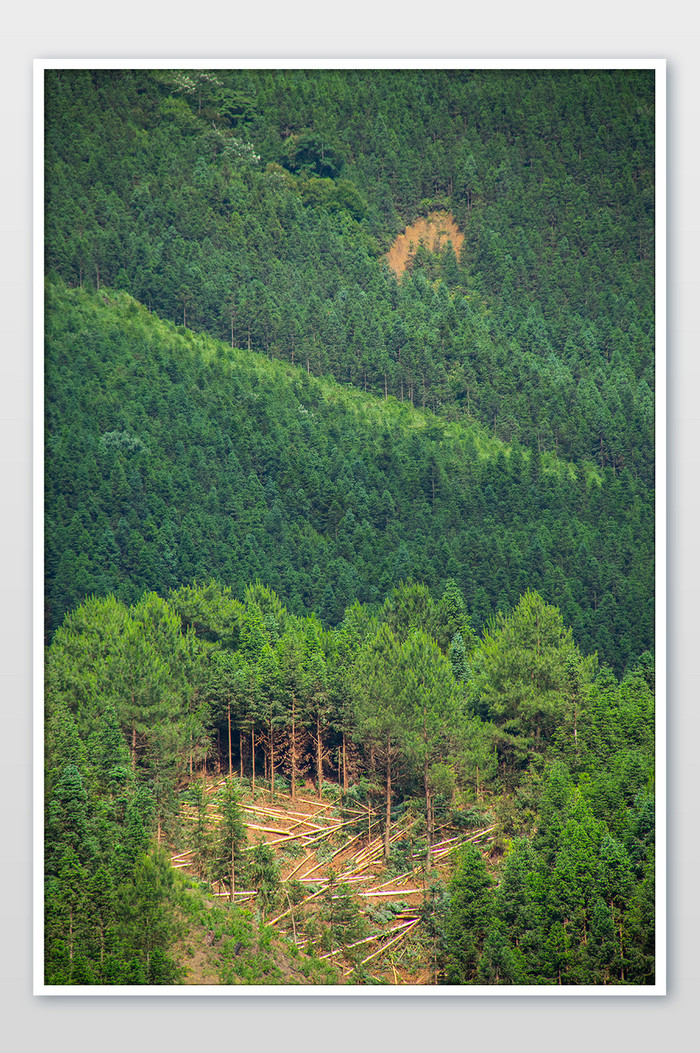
(322, 848)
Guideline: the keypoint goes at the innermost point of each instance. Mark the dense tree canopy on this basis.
(170, 456)
(573, 902)
(310, 520)
(264, 222)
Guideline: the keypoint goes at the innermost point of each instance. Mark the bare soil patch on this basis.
(318, 843)
(434, 230)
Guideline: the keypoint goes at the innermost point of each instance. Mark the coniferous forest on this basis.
(349, 527)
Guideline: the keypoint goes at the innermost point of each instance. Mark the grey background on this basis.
(543, 29)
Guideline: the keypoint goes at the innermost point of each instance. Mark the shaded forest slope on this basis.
(258, 206)
(170, 456)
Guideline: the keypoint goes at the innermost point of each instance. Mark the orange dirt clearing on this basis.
(434, 230)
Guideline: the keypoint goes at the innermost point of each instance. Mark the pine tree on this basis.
(227, 861)
(468, 917)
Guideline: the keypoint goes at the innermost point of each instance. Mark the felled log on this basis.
(392, 892)
(408, 928)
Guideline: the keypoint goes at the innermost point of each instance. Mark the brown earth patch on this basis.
(434, 230)
(332, 842)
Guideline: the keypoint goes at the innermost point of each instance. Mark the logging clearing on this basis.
(330, 856)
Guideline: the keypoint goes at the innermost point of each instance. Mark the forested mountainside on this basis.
(172, 457)
(320, 526)
(200, 722)
(258, 206)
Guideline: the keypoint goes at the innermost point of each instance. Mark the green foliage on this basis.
(299, 509)
(574, 902)
(341, 916)
(528, 676)
(351, 492)
(546, 338)
(220, 198)
(264, 875)
(227, 862)
(148, 923)
(468, 917)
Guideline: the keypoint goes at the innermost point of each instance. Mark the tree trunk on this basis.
(233, 879)
(319, 759)
(294, 749)
(252, 750)
(272, 760)
(428, 816)
(102, 945)
(388, 803)
(70, 946)
(345, 765)
(230, 758)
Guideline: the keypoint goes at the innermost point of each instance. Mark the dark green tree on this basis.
(468, 917)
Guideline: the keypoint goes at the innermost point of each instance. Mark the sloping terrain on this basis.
(427, 497)
(171, 456)
(337, 898)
